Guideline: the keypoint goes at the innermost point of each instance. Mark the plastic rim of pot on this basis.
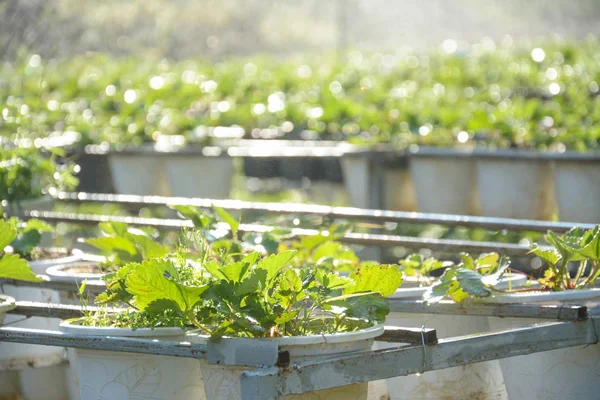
(444, 184)
(222, 382)
(18, 356)
(138, 174)
(578, 190)
(463, 382)
(198, 175)
(570, 372)
(123, 376)
(513, 188)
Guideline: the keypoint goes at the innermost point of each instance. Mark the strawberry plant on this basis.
(12, 266)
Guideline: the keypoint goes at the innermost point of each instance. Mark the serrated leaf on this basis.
(149, 248)
(148, 282)
(26, 242)
(371, 307)
(14, 267)
(332, 281)
(467, 261)
(274, 263)
(384, 279)
(8, 233)
(551, 257)
(286, 317)
(592, 249)
(470, 282)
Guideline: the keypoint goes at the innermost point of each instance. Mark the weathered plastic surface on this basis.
(223, 382)
(569, 373)
(578, 190)
(138, 174)
(356, 173)
(445, 185)
(515, 188)
(199, 176)
(124, 376)
(474, 381)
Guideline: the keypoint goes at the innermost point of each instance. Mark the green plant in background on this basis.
(471, 278)
(121, 244)
(419, 267)
(578, 245)
(27, 173)
(12, 266)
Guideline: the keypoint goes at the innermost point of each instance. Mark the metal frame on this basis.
(275, 376)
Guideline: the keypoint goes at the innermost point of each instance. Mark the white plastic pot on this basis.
(107, 375)
(515, 188)
(356, 171)
(578, 190)
(38, 366)
(569, 373)
(77, 273)
(222, 382)
(444, 184)
(482, 380)
(198, 175)
(138, 174)
(9, 380)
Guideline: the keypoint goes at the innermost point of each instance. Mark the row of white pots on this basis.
(172, 174)
(504, 183)
(31, 368)
(109, 375)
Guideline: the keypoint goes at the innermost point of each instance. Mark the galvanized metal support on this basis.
(271, 383)
(334, 213)
(365, 239)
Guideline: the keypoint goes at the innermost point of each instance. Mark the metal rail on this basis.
(347, 213)
(272, 382)
(364, 239)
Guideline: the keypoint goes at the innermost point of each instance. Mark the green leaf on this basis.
(445, 285)
(112, 244)
(371, 307)
(149, 248)
(149, 282)
(467, 261)
(200, 219)
(592, 249)
(286, 317)
(112, 228)
(336, 250)
(37, 225)
(8, 233)
(384, 279)
(275, 262)
(332, 281)
(14, 267)
(470, 282)
(551, 257)
(228, 219)
(26, 242)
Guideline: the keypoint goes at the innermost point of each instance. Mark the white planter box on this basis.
(40, 370)
(569, 373)
(126, 376)
(474, 381)
(138, 174)
(578, 190)
(515, 188)
(199, 176)
(444, 184)
(397, 191)
(223, 382)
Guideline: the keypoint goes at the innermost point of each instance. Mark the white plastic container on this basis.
(139, 174)
(577, 186)
(38, 366)
(222, 382)
(444, 184)
(515, 188)
(76, 273)
(196, 175)
(9, 380)
(569, 373)
(124, 376)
